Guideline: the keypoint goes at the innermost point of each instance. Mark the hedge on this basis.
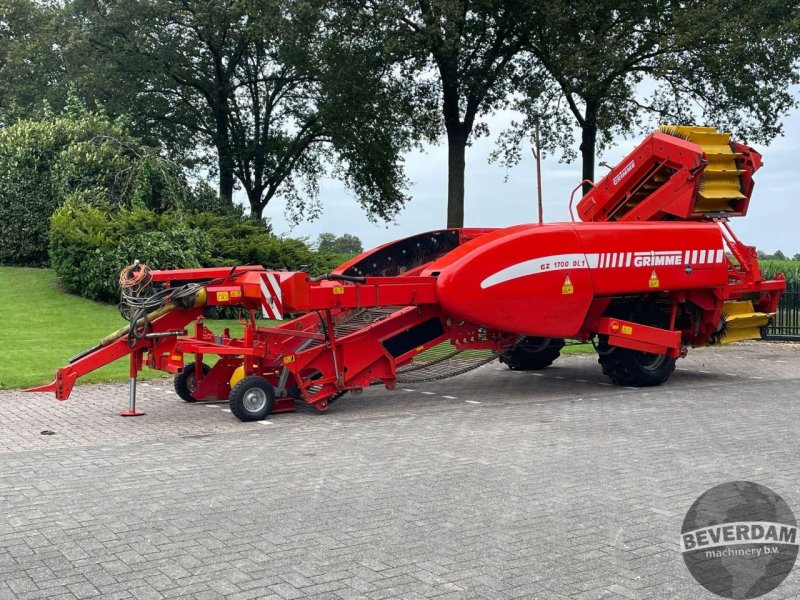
(81, 156)
(91, 242)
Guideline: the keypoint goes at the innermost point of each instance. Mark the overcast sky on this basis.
(771, 224)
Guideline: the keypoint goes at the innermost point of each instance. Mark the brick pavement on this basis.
(496, 484)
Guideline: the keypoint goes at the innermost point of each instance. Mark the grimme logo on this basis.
(655, 259)
(739, 540)
(625, 170)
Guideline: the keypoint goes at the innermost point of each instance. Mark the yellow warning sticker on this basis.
(222, 296)
(627, 329)
(338, 290)
(236, 293)
(654, 282)
(566, 287)
(288, 359)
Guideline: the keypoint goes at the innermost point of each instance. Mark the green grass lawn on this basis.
(45, 327)
(577, 349)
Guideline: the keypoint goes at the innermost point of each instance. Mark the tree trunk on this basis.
(226, 177)
(257, 202)
(456, 153)
(588, 146)
(222, 142)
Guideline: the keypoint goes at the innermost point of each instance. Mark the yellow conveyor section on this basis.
(719, 184)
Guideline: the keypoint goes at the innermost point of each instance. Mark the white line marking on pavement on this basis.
(604, 383)
(169, 391)
(706, 372)
(226, 410)
(212, 405)
(407, 390)
(582, 380)
(263, 422)
(616, 538)
(429, 393)
(451, 397)
(756, 377)
(659, 511)
(539, 374)
(472, 401)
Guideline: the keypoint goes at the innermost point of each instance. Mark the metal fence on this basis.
(786, 325)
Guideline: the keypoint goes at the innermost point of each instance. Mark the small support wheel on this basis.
(533, 353)
(632, 368)
(186, 382)
(252, 398)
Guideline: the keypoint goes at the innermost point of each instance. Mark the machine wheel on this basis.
(252, 398)
(533, 353)
(632, 368)
(185, 382)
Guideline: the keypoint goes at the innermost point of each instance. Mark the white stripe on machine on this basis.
(605, 260)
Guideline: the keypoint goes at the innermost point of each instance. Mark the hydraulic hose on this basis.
(334, 277)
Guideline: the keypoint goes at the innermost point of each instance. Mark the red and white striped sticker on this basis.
(271, 297)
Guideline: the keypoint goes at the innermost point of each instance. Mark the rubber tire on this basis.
(239, 392)
(184, 382)
(627, 367)
(521, 359)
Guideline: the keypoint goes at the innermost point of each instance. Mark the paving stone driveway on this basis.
(496, 484)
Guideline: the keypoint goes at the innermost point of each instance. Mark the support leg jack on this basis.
(132, 412)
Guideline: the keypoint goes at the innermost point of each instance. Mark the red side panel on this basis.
(541, 279)
(652, 257)
(529, 279)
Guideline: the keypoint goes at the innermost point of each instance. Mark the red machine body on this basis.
(561, 269)
(648, 275)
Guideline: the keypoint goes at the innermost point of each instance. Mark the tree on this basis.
(349, 244)
(326, 241)
(31, 66)
(76, 155)
(779, 255)
(463, 56)
(344, 244)
(728, 63)
(266, 84)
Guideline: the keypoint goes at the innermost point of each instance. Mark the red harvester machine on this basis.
(653, 268)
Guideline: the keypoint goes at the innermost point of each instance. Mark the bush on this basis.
(242, 241)
(76, 155)
(90, 243)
